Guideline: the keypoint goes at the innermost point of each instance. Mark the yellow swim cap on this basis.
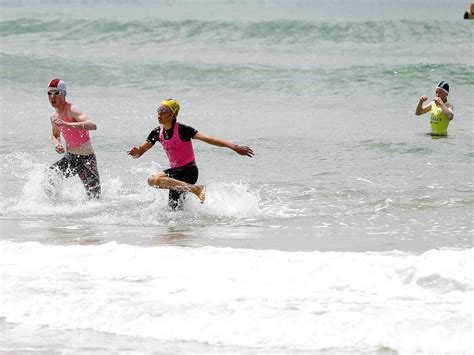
(172, 104)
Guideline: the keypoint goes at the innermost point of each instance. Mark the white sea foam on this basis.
(120, 203)
(260, 299)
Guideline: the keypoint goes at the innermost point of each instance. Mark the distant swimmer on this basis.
(469, 15)
(442, 112)
(70, 122)
(176, 139)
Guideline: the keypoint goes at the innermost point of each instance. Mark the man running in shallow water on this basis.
(176, 139)
(70, 122)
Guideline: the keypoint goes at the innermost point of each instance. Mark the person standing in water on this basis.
(70, 122)
(442, 112)
(176, 139)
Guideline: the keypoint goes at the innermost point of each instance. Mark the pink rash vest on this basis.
(179, 153)
(74, 137)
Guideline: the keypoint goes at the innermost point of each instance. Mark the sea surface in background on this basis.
(349, 231)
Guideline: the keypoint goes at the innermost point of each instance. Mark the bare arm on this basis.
(239, 149)
(82, 121)
(447, 109)
(451, 112)
(420, 110)
(137, 152)
(56, 135)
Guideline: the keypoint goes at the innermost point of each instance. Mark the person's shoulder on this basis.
(187, 131)
(154, 135)
(73, 109)
(186, 127)
(154, 132)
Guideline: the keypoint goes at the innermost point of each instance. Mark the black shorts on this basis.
(188, 173)
(83, 165)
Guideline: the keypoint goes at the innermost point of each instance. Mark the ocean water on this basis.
(349, 231)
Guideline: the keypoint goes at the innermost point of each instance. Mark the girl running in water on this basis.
(176, 139)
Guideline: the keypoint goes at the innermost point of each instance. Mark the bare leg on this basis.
(161, 181)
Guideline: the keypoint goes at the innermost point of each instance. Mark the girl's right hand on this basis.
(423, 98)
(134, 152)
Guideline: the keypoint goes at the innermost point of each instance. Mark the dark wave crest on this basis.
(268, 32)
(246, 77)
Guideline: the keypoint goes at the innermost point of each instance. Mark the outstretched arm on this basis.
(420, 110)
(239, 149)
(137, 152)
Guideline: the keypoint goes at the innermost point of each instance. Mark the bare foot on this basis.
(201, 192)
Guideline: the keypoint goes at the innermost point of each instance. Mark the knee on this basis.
(155, 180)
(151, 180)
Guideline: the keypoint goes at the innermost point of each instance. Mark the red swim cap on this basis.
(58, 84)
